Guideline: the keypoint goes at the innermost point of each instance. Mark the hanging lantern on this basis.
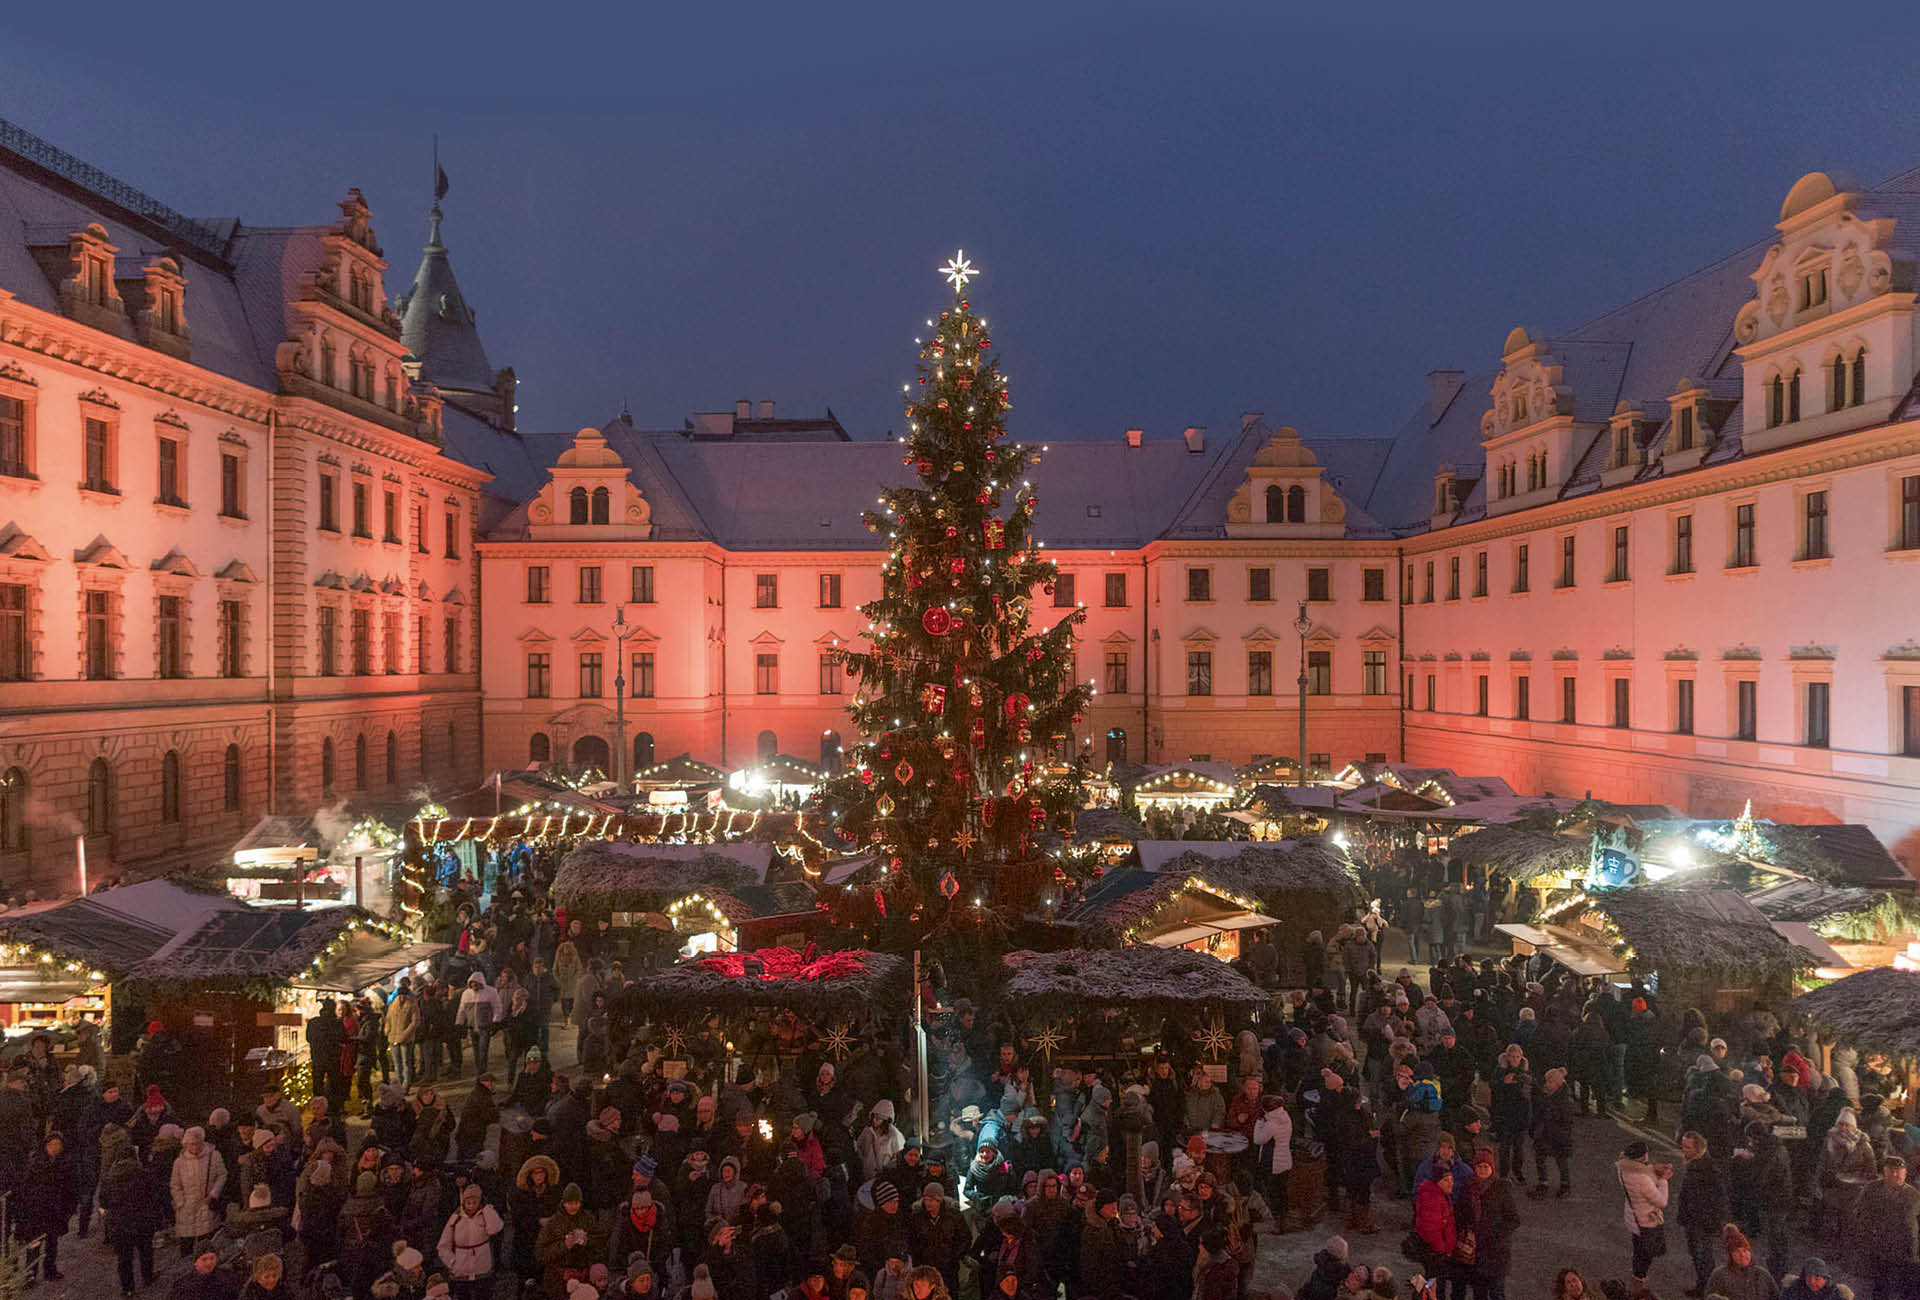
(903, 771)
(948, 885)
(979, 732)
(884, 805)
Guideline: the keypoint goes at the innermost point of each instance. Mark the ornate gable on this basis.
(1284, 494)
(1528, 432)
(589, 495)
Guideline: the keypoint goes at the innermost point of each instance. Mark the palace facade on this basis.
(252, 512)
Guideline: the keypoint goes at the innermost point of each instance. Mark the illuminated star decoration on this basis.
(838, 1039)
(965, 839)
(1047, 1039)
(676, 1042)
(1213, 1039)
(958, 271)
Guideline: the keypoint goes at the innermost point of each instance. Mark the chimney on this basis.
(1442, 387)
(1196, 437)
(766, 408)
(1134, 436)
(743, 409)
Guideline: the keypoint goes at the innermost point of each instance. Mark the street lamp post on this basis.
(1303, 625)
(620, 634)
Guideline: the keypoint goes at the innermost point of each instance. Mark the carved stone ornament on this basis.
(1852, 273)
(541, 512)
(1746, 325)
(1239, 511)
(1777, 302)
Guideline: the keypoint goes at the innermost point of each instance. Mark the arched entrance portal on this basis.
(592, 751)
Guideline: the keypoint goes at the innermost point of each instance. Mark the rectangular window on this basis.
(539, 675)
(1569, 699)
(450, 645)
(1116, 672)
(1746, 709)
(1622, 556)
(1813, 535)
(361, 633)
(328, 630)
(1199, 584)
(1063, 591)
(1260, 584)
(1743, 544)
(1479, 573)
(1426, 591)
(13, 438)
(830, 673)
(1433, 694)
(233, 638)
(390, 517)
(1682, 544)
(1373, 584)
(1909, 532)
(829, 591)
(16, 640)
(1406, 586)
(1622, 703)
(643, 675)
(1319, 672)
(1683, 435)
(590, 675)
(1910, 721)
(1453, 577)
(1520, 567)
(1116, 593)
(1373, 672)
(1482, 693)
(1819, 716)
(766, 674)
(362, 509)
(96, 470)
(539, 584)
(1523, 698)
(1259, 672)
(420, 526)
(329, 503)
(642, 584)
(390, 649)
(99, 613)
(1683, 706)
(172, 491)
(766, 591)
(589, 584)
(1320, 584)
(231, 503)
(452, 530)
(420, 643)
(170, 618)
(1566, 561)
(1199, 672)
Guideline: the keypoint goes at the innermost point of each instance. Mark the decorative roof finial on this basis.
(439, 191)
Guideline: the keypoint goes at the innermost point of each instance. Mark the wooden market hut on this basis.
(1875, 1011)
(738, 894)
(1706, 948)
(1115, 1003)
(1535, 858)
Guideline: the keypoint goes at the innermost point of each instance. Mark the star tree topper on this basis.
(959, 270)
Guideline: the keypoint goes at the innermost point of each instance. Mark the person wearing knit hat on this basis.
(581, 1290)
(1740, 1278)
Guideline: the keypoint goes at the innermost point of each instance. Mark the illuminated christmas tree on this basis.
(967, 711)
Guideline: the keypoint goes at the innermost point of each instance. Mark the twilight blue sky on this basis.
(1182, 210)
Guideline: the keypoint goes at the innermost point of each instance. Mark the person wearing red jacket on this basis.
(1433, 1224)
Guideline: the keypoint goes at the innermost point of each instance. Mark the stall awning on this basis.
(31, 984)
(1206, 929)
(1802, 935)
(367, 961)
(1525, 933)
(1582, 963)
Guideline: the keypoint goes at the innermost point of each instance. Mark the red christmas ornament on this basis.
(982, 499)
(933, 699)
(903, 771)
(866, 776)
(880, 901)
(952, 531)
(1017, 704)
(956, 566)
(967, 425)
(948, 885)
(979, 732)
(989, 453)
(926, 466)
(936, 620)
(995, 531)
(1036, 814)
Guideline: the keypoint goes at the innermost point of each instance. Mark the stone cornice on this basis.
(59, 339)
(304, 415)
(1250, 548)
(1840, 452)
(632, 549)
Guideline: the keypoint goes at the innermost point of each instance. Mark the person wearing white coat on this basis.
(1275, 1126)
(199, 1177)
(1645, 1186)
(879, 1143)
(466, 1245)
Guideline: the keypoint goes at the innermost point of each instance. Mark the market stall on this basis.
(1877, 1013)
(1116, 1004)
(675, 900)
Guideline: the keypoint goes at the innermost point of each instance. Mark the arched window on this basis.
(99, 798)
(326, 766)
(1116, 745)
(232, 782)
(1837, 388)
(642, 750)
(602, 502)
(1276, 503)
(577, 506)
(539, 749)
(170, 787)
(393, 759)
(830, 756)
(766, 747)
(1776, 401)
(1793, 396)
(13, 811)
(1296, 504)
(1859, 377)
(360, 762)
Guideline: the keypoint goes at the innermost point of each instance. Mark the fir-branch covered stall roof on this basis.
(1874, 1011)
(1679, 931)
(820, 986)
(601, 877)
(1519, 853)
(1156, 980)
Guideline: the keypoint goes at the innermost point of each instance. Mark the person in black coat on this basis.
(131, 1204)
(50, 1194)
(206, 1280)
(1702, 1205)
(1553, 1131)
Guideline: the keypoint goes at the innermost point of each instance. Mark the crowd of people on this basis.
(662, 1165)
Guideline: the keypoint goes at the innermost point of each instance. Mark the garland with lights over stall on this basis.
(1116, 1004)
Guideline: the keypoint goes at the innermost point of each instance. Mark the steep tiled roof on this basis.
(437, 325)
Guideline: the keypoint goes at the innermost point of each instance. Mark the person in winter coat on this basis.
(937, 1236)
(1704, 1205)
(1553, 1132)
(535, 1197)
(267, 1281)
(1434, 1223)
(479, 1015)
(402, 1024)
(50, 1194)
(568, 1243)
(880, 1141)
(316, 1210)
(466, 1245)
(1103, 1251)
(1204, 1106)
(1887, 1228)
(206, 1280)
(478, 1113)
(1644, 1186)
(197, 1185)
(643, 1229)
(1761, 1177)
(1492, 1216)
(1273, 1151)
(131, 1206)
(367, 1233)
(1740, 1278)
(728, 1195)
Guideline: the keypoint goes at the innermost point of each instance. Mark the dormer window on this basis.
(1623, 449)
(602, 501)
(95, 278)
(1813, 289)
(577, 506)
(1683, 429)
